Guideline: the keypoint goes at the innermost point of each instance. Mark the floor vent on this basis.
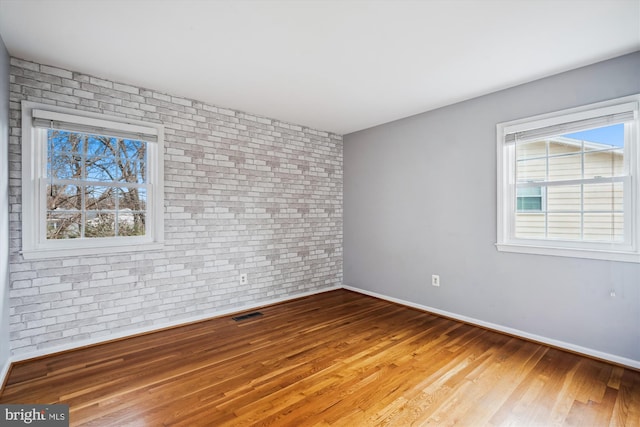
(247, 316)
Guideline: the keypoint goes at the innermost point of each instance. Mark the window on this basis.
(568, 183)
(529, 199)
(91, 183)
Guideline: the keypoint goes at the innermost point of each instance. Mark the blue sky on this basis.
(610, 135)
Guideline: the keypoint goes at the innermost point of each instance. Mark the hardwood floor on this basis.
(337, 358)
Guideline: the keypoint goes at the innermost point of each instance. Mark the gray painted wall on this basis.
(420, 199)
(4, 207)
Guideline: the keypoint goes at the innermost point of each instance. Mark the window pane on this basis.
(132, 198)
(64, 154)
(132, 160)
(65, 197)
(131, 223)
(563, 226)
(567, 166)
(99, 198)
(531, 170)
(102, 169)
(604, 197)
(101, 159)
(62, 141)
(101, 146)
(531, 150)
(603, 164)
(564, 198)
(602, 137)
(530, 225)
(63, 225)
(64, 166)
(131, 214)
(531, 161)
(604, 227)
(100, 224)
(604, 150)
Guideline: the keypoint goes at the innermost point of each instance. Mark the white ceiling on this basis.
(336, 65)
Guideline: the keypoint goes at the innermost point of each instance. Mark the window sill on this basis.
(35, 254)
(570, 252)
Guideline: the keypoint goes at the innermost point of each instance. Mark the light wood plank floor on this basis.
(337, 358)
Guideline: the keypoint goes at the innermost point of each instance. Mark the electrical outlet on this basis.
(244, 279)
(435, 280)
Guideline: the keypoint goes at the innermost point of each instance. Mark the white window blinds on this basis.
(61, 121)
(622, 113)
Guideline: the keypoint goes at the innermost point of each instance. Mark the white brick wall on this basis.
(242, 194)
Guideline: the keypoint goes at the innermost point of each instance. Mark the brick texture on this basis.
(242, 194)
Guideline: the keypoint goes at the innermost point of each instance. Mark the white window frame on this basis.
(629, 251)
(35, 245)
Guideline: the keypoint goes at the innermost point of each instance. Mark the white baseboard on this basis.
(157, 327)
(516, 332)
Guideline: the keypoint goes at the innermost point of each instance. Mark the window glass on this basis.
(567, 162)
(85, 196)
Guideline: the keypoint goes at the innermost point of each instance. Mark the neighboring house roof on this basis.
(578, 143)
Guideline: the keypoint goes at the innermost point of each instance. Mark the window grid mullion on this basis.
(582, 190)
(58, 181)
(514, 198)
(631, 194)
(116, 202)
(83, 174)
(598, 180)
(546, 177)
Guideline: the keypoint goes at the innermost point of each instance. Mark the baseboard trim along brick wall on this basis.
(176, 324)
(4, 371)
(243, 194)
